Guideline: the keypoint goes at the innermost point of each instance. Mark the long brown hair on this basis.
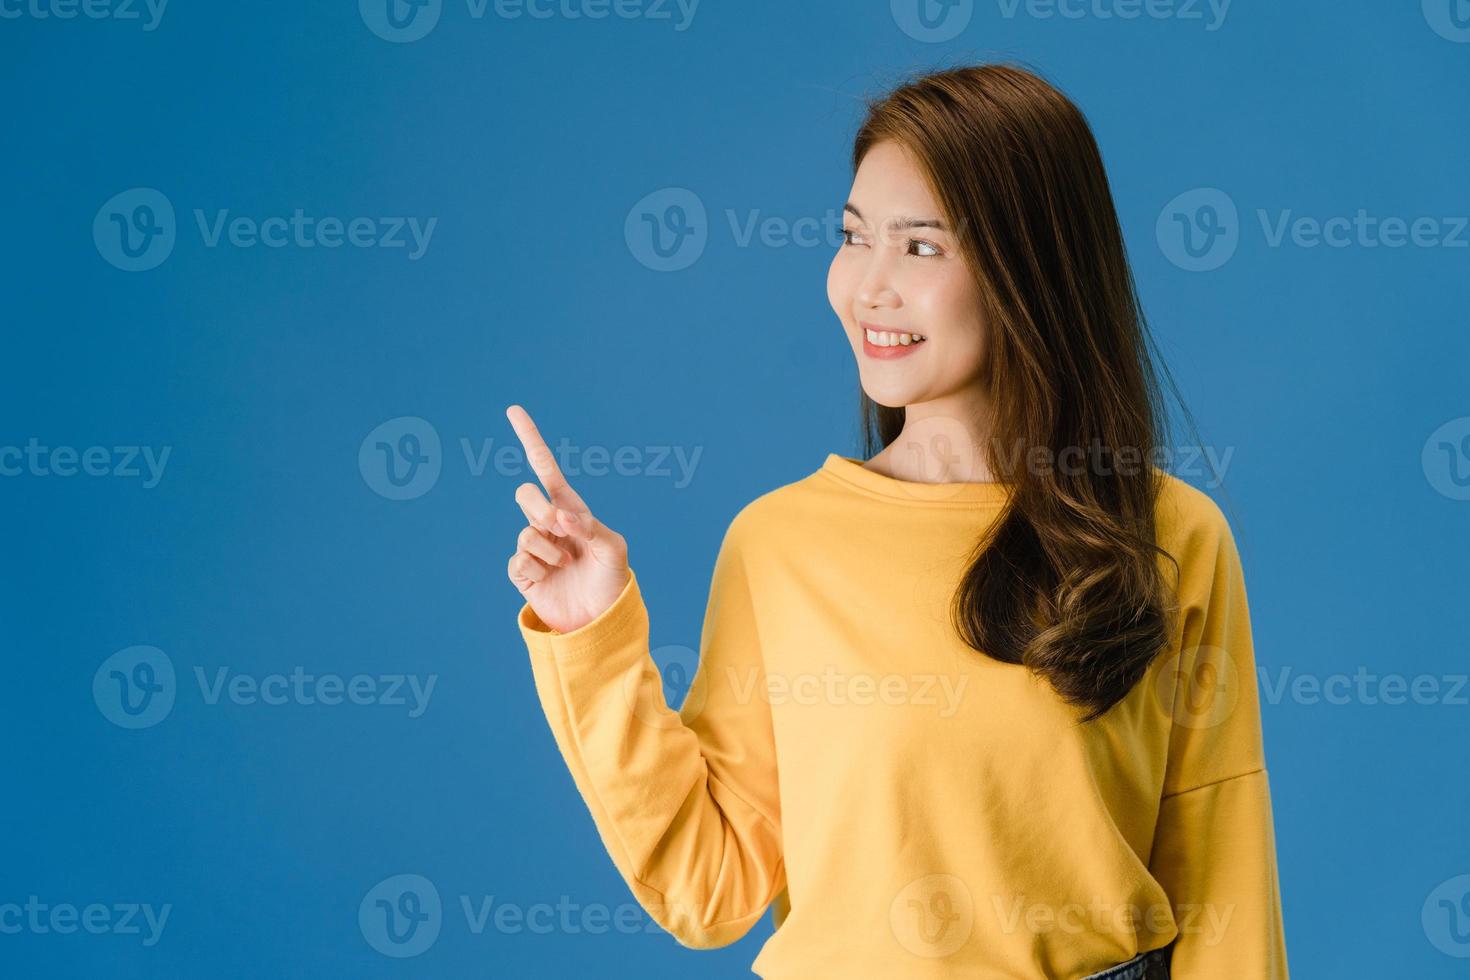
(1066, 581)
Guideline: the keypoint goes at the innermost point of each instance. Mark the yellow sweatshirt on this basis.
(908, 806)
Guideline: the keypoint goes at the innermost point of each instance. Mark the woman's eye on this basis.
(917, 247)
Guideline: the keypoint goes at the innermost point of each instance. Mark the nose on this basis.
(876, 287)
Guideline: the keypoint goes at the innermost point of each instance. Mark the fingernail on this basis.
(571, 518)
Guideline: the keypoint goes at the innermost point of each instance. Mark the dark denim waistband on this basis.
(1153, 965)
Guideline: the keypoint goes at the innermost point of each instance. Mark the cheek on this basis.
(839, 287)
(954, 305)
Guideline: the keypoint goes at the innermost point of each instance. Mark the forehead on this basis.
(889, 182)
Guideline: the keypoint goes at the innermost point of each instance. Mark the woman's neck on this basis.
(936, 447)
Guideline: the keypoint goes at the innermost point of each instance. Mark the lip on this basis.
(886, 353)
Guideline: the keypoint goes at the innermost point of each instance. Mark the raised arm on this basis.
(686, 802)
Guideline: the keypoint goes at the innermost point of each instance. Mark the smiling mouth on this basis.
(890, 341)
(886, 345)
(892, 338)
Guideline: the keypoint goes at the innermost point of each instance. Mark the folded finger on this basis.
(540, 544)
(540, 513)
(525, 570)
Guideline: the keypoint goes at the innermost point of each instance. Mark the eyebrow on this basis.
(902, 221)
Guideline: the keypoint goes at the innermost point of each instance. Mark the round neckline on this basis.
(853, 472)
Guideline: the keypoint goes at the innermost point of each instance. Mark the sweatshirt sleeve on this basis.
(685, 801)
(1214, 848)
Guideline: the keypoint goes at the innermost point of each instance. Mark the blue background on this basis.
(265, 545)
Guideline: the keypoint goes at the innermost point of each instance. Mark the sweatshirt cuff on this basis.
(624, 620)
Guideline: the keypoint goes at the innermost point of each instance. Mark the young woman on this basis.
(983, 704)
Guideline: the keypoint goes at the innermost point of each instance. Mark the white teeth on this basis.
(885, 338)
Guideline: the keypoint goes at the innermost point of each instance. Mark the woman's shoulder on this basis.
(1190, 525)
(777, 505)
(1183, 502)
(774, 512)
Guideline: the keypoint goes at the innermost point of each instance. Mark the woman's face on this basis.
(899, 271)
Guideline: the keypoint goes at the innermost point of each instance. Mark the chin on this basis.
(891, 396)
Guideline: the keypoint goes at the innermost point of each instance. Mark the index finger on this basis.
(543, 463)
